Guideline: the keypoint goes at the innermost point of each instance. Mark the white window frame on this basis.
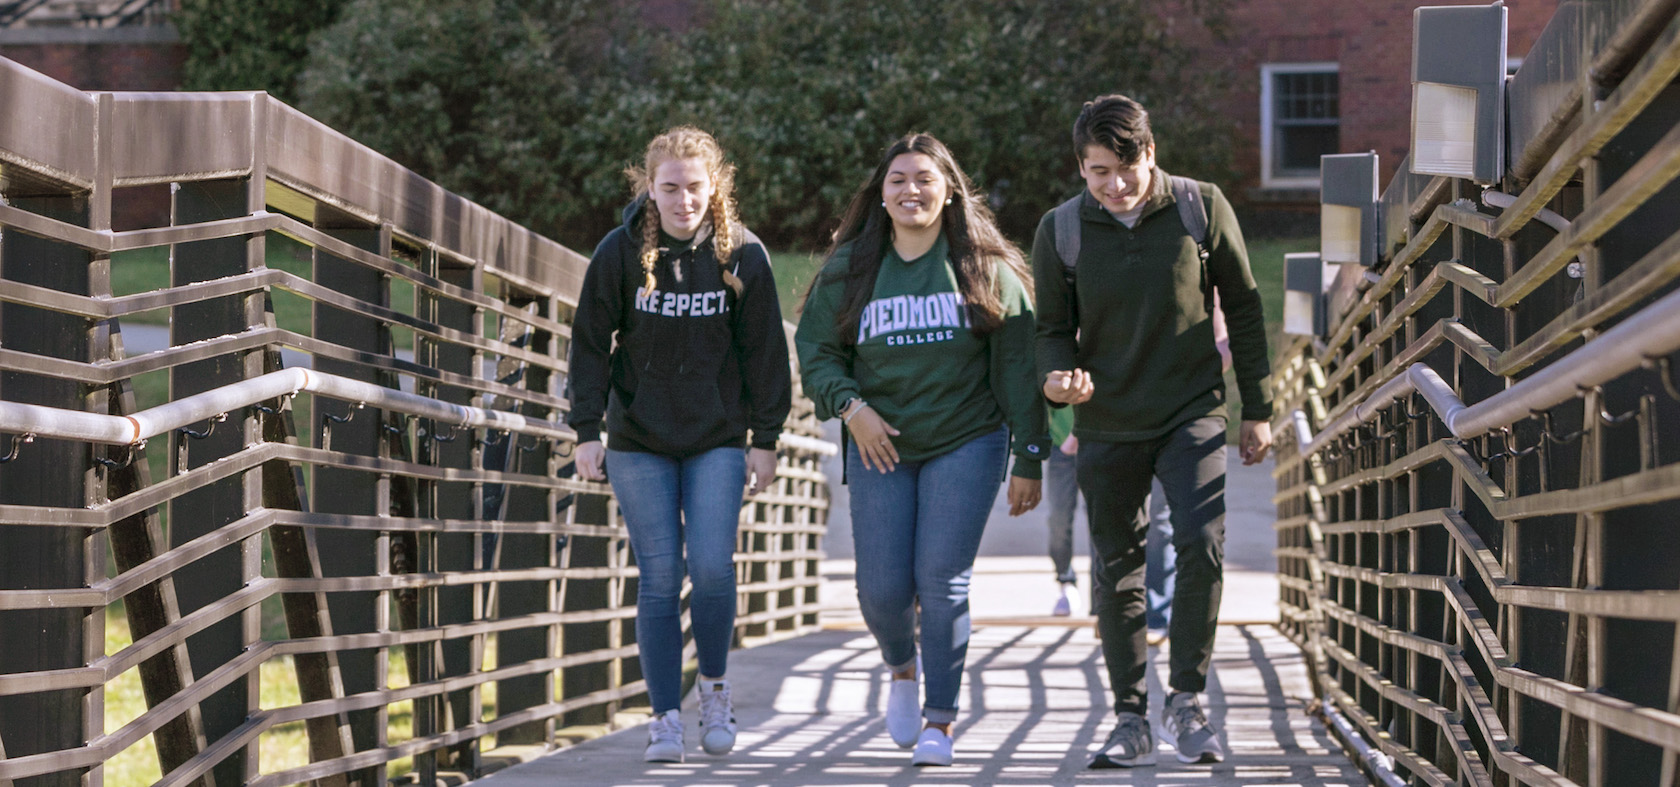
(1267, 71)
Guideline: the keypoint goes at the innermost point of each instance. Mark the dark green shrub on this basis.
(250, 44)
(533, 108)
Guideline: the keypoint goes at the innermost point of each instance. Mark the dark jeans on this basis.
(1115, 477)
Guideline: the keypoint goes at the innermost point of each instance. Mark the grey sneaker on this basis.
(717, 717)
(1185, 726)
(1129, 746)
(665, 738)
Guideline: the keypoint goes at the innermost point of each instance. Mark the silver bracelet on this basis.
(847, 418)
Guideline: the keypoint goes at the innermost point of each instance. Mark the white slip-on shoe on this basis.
(717, 717)
(932, 748)
(665, 738)
(904, 708)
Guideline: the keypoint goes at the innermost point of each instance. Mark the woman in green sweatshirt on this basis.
(918, 334)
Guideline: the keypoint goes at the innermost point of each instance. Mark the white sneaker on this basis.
(717, 717)
(665, 738)
(932, 748)
(904, 708)
(1067, 603)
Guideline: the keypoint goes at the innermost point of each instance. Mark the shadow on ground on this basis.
(1034, 705)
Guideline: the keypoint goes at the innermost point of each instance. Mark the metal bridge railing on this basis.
(335, 501)
(85, 13)
(1476, 537)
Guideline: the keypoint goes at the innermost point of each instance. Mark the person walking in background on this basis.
(918, 334)
(678, 346)
(1126, 274)
(1061, 494)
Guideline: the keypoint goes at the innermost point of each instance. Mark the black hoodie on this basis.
(694, 366)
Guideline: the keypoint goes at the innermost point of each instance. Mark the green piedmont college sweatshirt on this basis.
(1142, 328)
(917, 363)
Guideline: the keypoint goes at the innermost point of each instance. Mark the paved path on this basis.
(1034, 705)
(1035, 699)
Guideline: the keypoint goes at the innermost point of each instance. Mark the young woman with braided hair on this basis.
(700, 359)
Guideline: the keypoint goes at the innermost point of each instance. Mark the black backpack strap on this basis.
(1192, 212)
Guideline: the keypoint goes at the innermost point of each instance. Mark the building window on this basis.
(1300, 116)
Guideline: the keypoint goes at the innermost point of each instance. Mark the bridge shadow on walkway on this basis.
(1034, 705)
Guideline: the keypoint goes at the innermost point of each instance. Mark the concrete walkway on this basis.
(1034, 707)
(1035, 698)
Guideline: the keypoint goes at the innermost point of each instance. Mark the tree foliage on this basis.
(250, 44)
(533, 107)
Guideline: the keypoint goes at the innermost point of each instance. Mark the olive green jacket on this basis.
(1141, 326)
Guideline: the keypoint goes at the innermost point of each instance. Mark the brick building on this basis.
(95, 44)
(1309, 77)
(1306, 77)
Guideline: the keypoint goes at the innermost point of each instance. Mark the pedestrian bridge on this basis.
(318, 522)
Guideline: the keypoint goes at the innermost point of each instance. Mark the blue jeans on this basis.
(1160, 571)
(916, 531)
(668, 502)
(1061, 496)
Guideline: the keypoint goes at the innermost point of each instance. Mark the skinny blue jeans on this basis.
(916, 531)
(669, 503)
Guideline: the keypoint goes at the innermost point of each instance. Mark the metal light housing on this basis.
(1305, 278)
(1458, 91)
(1348, 220)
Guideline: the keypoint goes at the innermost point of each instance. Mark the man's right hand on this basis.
(591, 461)
(1068, 387)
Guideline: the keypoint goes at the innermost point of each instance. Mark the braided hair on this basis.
(685, 142)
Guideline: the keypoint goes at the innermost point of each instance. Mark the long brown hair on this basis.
(680, 143)
(976, 246)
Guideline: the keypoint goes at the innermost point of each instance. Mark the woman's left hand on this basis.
(761, 469)
(1023, 494)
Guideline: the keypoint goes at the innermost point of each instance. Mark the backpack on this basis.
(1191, 212)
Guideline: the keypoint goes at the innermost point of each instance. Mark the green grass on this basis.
(281, 747)
(144, 270)
(1265, 259)
(794, 270)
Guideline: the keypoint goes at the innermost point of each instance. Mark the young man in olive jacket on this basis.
(1125, 335)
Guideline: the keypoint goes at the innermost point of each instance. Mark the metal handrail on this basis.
(130, 429)
(53, 422)
(1654, 331)
(10, 13)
